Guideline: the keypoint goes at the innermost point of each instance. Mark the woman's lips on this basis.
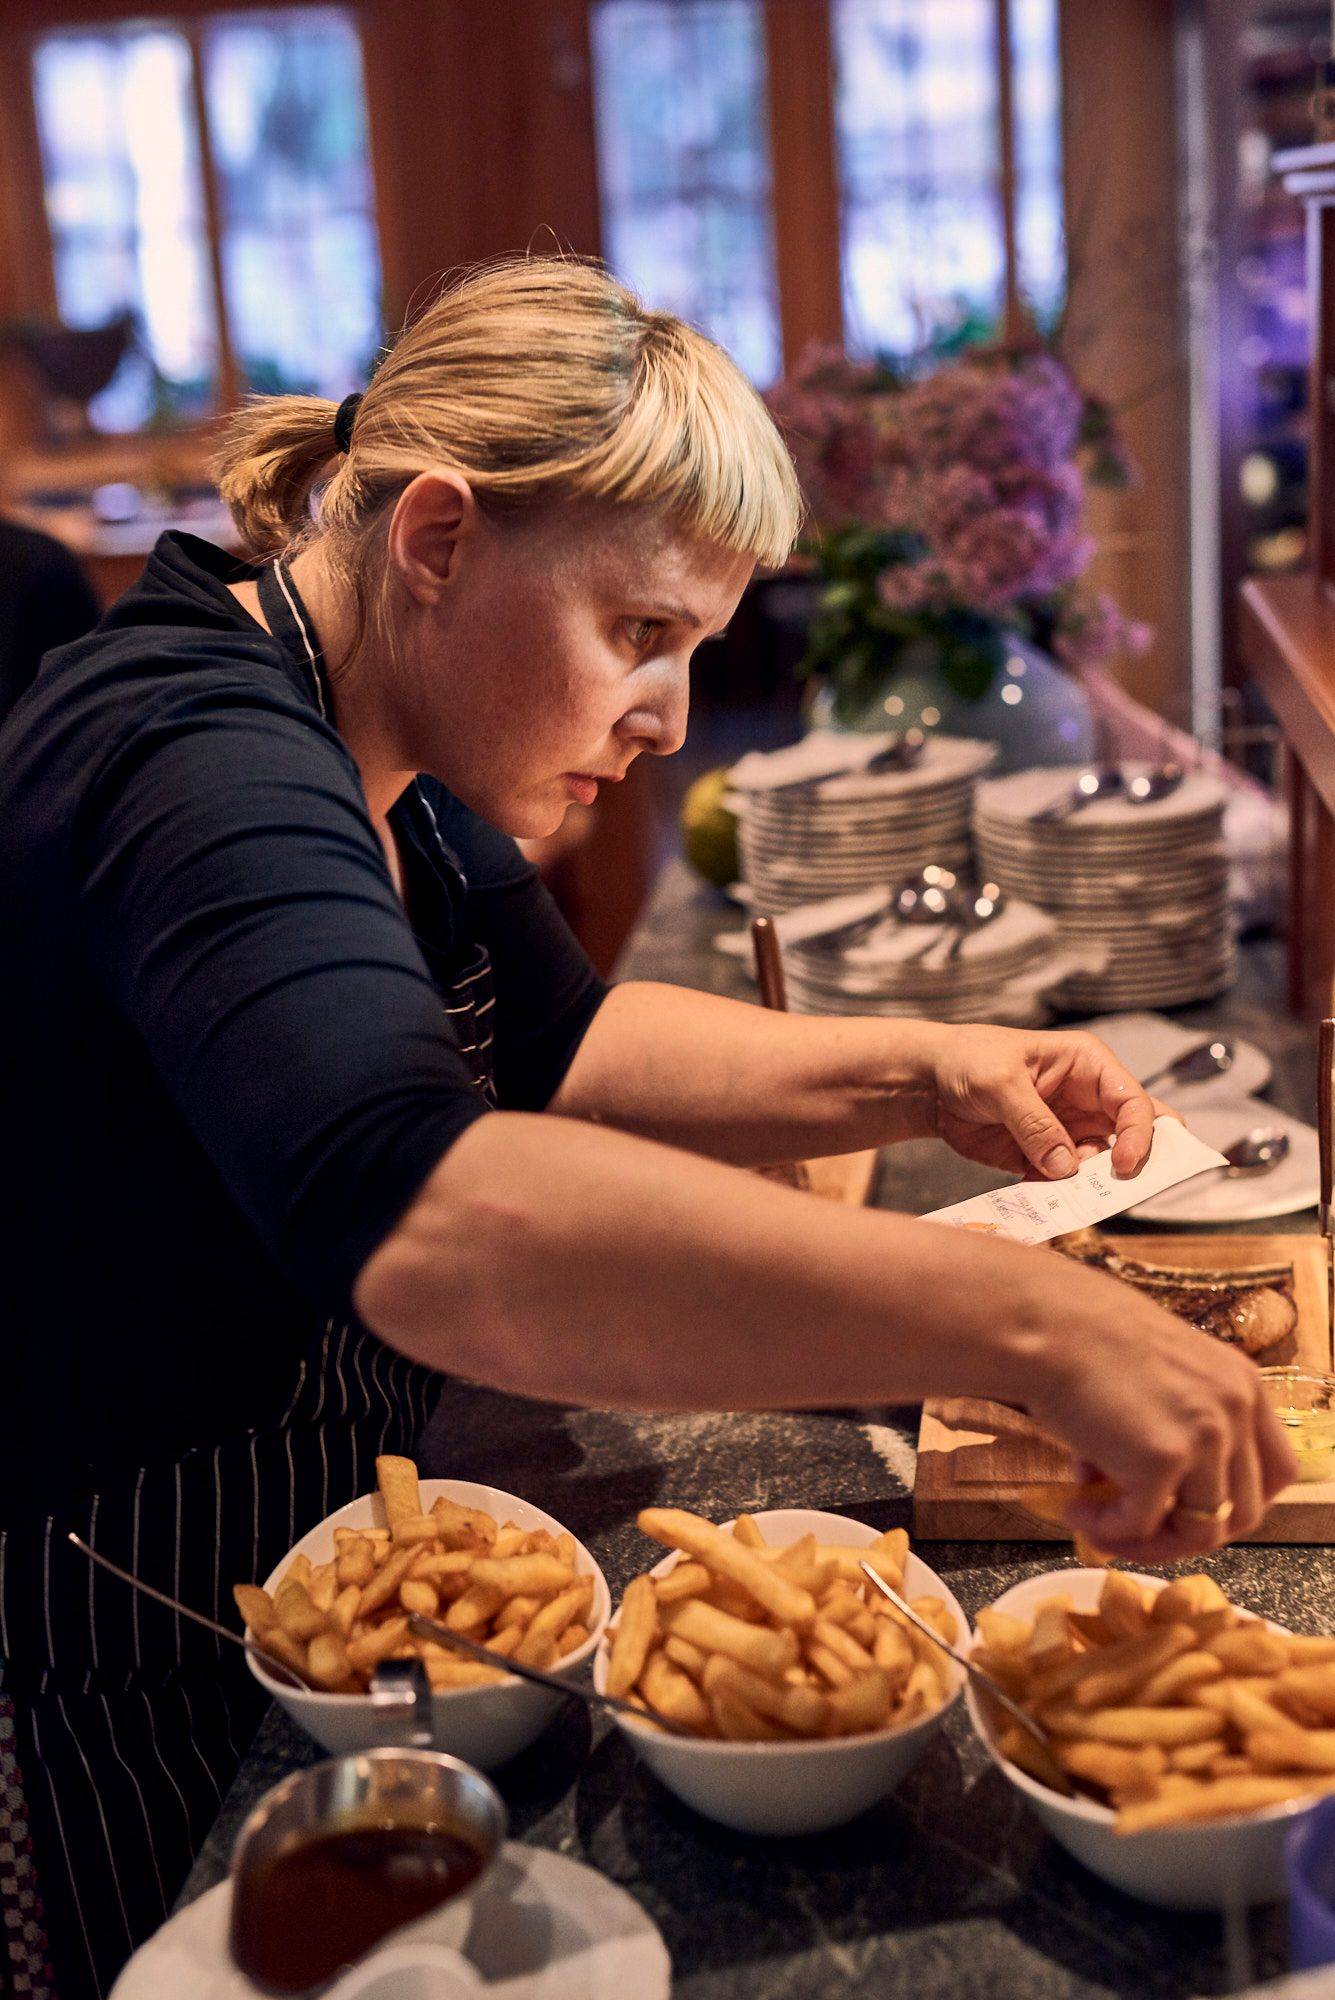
(583, 785)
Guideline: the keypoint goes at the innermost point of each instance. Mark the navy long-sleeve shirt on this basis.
(227, 1069)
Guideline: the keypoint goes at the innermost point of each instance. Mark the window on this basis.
(132, 121)
(917, 117)
(125, 207)
(683, 161)
(301, 269)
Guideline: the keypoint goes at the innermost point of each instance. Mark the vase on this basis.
(1034, 712)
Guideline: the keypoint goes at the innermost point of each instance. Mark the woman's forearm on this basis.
(742, 1084)
(548, 1258)
(553, 1259)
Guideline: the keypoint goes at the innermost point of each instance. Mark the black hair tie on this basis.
(344, 419)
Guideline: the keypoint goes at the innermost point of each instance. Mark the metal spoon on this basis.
(923, 898)
(431, 1628)
(975, 1673)
(279, 1668)
(1201, 1061)
(1101, 781)
(1257, 1152)
(975, 909)
(901, 753)
(1151, 785)
(396, 1683)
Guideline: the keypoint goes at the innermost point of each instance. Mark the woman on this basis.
(316, 1096)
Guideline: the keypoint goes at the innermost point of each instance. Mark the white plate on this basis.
(1145, 1042)
(544, 1928)
(1293, 1185)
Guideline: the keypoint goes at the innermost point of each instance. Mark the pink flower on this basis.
(1091, 629)
(975, 468)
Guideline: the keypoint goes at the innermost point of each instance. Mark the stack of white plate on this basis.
(813, 824)
(1148, 882)
(1000, 972)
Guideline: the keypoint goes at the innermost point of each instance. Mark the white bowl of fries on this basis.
(805, 1721)
(486, 1563)
(1189, 1732)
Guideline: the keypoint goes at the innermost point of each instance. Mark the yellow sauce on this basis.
(1305, 1405)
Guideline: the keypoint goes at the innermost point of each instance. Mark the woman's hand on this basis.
(1176, 1420)
(1041, 1102)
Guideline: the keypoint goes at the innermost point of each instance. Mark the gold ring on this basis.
(1215, 1515)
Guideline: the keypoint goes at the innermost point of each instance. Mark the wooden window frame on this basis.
(808, 231)
(27, 263)
(805, 200)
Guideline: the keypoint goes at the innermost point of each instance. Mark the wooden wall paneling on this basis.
(1321, 393)
(481, 135)
(804, 166)
(1222, 23)
(228, 391)
(1124, 334)
(27, 284)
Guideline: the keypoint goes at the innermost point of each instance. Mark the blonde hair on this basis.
(540, 380)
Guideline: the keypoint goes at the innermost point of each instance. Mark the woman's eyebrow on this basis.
(680, 616)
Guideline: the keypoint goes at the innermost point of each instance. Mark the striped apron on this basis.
(122, 1725)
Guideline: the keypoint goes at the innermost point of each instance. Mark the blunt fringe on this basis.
(540, 380)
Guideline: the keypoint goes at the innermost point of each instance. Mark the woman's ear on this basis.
(434, 517)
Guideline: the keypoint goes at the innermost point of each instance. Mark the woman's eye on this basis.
(642, 632)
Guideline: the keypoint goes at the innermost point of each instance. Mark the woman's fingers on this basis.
(1218, 1492)
(1132, 1111)
(1034, 1126)
(1246, 1488)
(1276, 1458)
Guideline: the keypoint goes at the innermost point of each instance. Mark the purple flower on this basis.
(976, 468)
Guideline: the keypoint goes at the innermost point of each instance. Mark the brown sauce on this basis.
(304, 1913)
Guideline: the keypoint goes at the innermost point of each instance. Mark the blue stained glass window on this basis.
(1039, 207)
(917, 121)
(683, 158)
(125, 209)
(301, 265)
(122, 166)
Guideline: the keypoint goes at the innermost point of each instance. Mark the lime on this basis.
(709, 830)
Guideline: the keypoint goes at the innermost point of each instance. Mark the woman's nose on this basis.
(661, 729)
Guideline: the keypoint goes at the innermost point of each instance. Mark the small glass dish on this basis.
(1305, 1405)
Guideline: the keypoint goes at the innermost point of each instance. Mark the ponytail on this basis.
(274, 450)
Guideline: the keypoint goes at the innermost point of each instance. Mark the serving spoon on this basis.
(396, 1683)
(975, 1673)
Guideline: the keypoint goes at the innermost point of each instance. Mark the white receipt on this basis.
(1035, 1211)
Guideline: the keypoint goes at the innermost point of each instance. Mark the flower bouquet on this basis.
(947, 520)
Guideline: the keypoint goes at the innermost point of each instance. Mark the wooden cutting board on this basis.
(975, 1458)
(845, 1177)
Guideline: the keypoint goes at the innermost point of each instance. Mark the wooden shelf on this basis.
(1288, 642)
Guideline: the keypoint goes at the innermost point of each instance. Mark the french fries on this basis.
(748, 1644)
(1172, 1707)
(506, 1587)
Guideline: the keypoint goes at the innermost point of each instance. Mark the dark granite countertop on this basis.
(950, 1889)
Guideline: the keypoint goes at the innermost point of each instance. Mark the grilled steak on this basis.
(1254, 1310)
